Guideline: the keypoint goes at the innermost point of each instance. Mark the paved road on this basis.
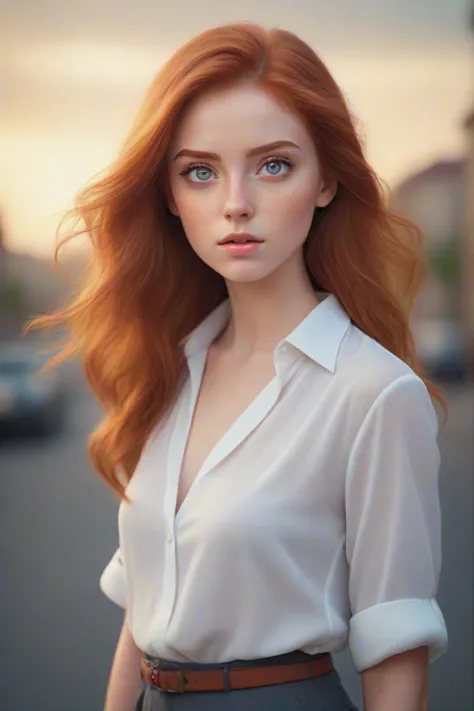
(58, 528)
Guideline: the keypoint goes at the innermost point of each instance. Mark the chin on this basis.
(244, 273)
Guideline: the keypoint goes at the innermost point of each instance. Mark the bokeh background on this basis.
(72, 75)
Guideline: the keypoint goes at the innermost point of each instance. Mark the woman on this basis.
(267, 427)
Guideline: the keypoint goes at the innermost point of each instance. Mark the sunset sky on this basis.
(76, 70)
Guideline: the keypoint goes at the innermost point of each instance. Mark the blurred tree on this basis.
(12, 297)
(445, 262)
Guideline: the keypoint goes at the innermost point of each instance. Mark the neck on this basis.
(265, 311)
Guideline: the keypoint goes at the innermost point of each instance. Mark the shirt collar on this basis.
(318, 336)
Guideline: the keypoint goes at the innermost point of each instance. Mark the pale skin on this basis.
(125, 684)
(270, 193)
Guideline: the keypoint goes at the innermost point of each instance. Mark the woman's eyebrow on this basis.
(205, 155)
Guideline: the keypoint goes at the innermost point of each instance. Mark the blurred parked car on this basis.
(29, 403)
(441, 349)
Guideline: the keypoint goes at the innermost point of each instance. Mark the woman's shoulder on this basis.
(368, 370)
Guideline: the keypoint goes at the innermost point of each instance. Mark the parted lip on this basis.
(238, 236)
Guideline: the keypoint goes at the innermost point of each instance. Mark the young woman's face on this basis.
(243, 167)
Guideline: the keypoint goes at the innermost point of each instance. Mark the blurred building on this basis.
(2, 253)
(434, 198)
(468, 252)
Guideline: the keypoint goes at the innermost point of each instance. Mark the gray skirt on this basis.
(325, 693)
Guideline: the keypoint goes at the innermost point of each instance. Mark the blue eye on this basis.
(275, 166)
(202, 173)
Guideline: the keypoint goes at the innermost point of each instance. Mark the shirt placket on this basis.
(176, 449)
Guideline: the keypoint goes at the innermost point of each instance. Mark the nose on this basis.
(238, 205)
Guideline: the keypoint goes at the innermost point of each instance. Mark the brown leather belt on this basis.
(231, 678)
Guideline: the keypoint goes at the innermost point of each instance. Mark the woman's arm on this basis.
(125, 682)
(399, 683)
(393, 538)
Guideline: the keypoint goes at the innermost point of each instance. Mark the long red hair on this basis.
(146, 289)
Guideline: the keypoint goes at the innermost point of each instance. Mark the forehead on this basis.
(244, 115)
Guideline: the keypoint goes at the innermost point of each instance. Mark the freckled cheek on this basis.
(296, 205)
(195, 197)
(194, 207)
(197, 217)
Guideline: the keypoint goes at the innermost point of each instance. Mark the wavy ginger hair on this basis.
(146, 289)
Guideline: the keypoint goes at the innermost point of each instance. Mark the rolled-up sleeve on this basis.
(393, 528)
(112, 580)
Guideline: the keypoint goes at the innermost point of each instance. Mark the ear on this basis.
(327, 192)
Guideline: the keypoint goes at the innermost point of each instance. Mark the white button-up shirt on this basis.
(313, 524)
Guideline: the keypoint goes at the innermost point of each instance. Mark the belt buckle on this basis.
(155, 679)
(181, 683)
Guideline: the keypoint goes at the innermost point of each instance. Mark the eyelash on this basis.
(193, 166)
(273, 159)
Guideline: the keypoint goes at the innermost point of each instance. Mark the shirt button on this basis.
(169, 538)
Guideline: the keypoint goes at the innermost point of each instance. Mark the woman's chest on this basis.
(227, 390)
(281, 470)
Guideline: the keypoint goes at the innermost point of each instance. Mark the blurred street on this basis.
(58, 530)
